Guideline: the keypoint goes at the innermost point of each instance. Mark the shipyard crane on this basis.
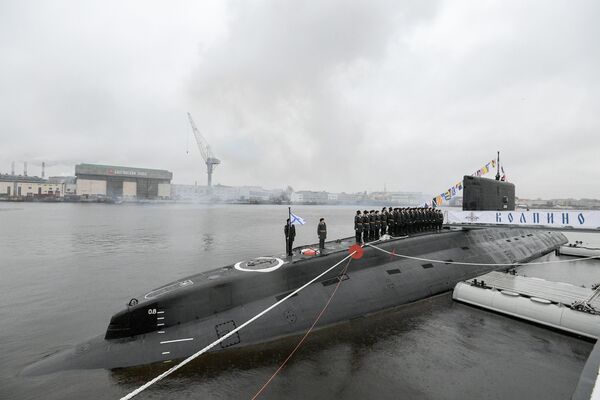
(205, 151)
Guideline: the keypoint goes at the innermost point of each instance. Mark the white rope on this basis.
(216, 342)
(470, 263)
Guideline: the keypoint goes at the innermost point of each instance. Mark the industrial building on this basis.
(310, 197)
(69, 183)
(122, 182)
(28, 186)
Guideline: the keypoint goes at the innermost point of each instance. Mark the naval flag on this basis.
(296, 219)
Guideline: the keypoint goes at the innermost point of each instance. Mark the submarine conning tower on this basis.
(483, 194)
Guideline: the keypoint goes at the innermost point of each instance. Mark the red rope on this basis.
(305, 335)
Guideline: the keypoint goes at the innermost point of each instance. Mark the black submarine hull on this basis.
(178, 319)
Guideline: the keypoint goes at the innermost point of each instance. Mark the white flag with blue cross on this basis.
(296, 219)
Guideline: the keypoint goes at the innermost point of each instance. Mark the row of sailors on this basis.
(370, 225)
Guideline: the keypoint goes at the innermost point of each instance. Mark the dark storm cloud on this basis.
(332, 95)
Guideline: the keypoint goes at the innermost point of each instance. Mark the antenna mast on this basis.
(498, 168)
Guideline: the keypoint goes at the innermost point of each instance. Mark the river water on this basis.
(65, 269)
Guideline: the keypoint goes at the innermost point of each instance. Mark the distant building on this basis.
(122, 182)
(409, 198)
(257, 194)
(222, 193)
(310, 197)
(28, 186)
(350, 198)
(69, 182)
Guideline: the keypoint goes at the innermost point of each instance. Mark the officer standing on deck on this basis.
(372, 225)
(358, 227)
(290, 235)
(322, 232)
(384, 221)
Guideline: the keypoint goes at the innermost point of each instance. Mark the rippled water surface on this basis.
(66, 268)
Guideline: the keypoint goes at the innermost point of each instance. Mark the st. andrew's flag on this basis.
(296, 219)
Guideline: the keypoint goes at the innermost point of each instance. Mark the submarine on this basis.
(176, 320)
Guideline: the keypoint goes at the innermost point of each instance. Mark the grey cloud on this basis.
(334, 95)
(281, 80)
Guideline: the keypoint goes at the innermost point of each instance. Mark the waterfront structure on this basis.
(310, 197)
(69, 183)
(243, 194)
(17, 186)
(408, 198)
(385, 198)
(122, 182)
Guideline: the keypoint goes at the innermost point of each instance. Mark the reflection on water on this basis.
(207, 240)
(117, 242)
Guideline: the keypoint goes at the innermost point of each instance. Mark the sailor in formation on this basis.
(399, 221)
(366, 226)
(358, 226)
(372, 225)
(384, 221)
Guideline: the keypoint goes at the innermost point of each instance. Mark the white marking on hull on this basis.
(166, 352)
(280, 262)
(177, 340)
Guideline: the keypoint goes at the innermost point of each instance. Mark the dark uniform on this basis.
(390, 222)
(400, 221)
(366, 226)
(358, 227)
(372, 225)
(322, 232)
(290, 235)
(384, 221)
(377, 224)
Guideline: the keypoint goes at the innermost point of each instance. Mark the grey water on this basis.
(65, 269)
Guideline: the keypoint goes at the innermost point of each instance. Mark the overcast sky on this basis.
(322, 95)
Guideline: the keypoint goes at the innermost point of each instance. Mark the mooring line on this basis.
(225, 337)
(515, 264)
(305, 335)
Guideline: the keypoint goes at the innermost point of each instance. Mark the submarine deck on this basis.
(343, 244)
